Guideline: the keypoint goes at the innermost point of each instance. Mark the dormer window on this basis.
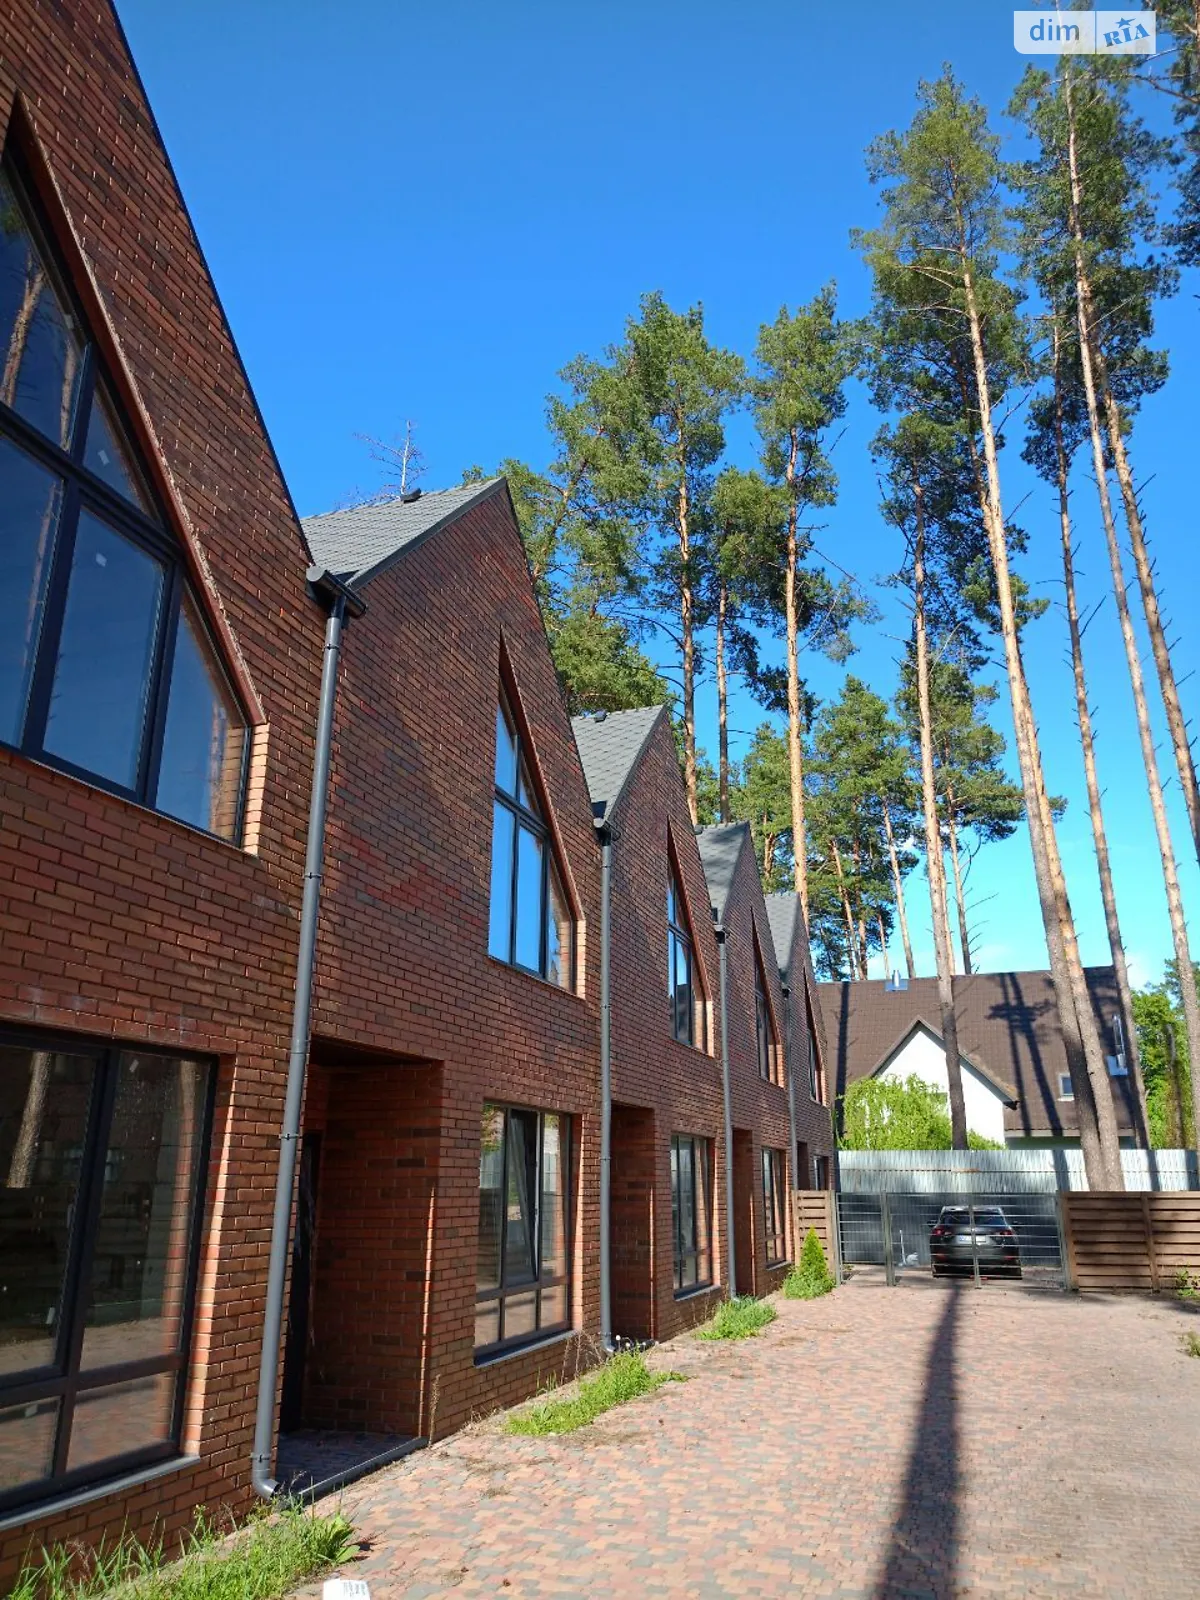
(106, 668)
(531, 924)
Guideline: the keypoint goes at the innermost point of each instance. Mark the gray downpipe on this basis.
(606, 1327)
(730, 1226)
(340, 601)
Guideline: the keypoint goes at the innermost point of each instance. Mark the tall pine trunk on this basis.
(851, 943)
(1083, 714)
(933, 842)
(687, 633)
(898, 886)
(1097, 1119)
(1166, 850)
(1144, 568)
(794, 744)
(964, 936)
(722, 703)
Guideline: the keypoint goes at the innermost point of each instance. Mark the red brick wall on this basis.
(114, 921)
(680, 1084)
(632, 1218)
(759, 1106)
(403, 961)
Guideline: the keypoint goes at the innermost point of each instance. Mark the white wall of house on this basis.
(923, 1056)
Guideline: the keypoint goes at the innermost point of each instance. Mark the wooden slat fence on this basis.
(1119, 1242)
(814, 1209)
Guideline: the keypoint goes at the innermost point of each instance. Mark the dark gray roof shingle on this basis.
(609, 750)
(782, 911)
(356, 544)
(720, 848)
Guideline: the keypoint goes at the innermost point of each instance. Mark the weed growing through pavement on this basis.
(739, 1319)
(622, 1377)
(263, 1561)
(1190, 1344)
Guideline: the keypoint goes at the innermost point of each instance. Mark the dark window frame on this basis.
(766, 1035)
(814, 1070)
(62, 1379)
(774, 1191)
(680, 946)
(535, 823)
(539, 1282)
(83, 491)
(702, 1194)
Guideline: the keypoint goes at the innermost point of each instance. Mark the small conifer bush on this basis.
(810, 1277)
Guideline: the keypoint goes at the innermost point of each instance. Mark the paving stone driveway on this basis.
(929, 1440)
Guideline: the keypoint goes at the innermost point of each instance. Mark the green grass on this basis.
(1187, 1288)
(264, 1561)
(810, 1277)
(1190, 1344)
(622, 1377)
(739, 1319)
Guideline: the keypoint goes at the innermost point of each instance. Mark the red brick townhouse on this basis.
(757, 1026)
(700, 1123)
(667, 1250)
(447, 1239)
(808, 1049)
(159, 668)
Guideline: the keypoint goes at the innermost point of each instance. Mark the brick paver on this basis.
(930, 1440)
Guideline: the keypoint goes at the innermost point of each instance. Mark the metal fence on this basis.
(895, 1230)
(1002, 1172)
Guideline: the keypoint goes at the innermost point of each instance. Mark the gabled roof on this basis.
(1005, 1090)
(1008, 1029)
(357, 544)
(610, 746)
(782, 911)
(720, 849)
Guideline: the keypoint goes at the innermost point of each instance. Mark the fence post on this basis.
(1148, 1227)
(1064, 1253)
(889, 1254)
(835, 1233)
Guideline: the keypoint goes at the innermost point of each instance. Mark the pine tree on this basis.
(803, 362)
(938, 246)
(1085, 205)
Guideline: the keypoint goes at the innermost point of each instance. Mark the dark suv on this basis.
(955, 1242)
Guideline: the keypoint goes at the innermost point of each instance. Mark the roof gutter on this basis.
(605, 835)
(725, 1087)
(340, 603)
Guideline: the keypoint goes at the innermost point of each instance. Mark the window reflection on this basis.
(205, 739)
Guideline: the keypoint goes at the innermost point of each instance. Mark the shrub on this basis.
(262, 1562)
(739, 1319)
(1187, 1288)
(622, 1377)
(810, 1277)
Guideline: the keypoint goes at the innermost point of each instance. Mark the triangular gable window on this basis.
(770, 1059)
(530, 923)
(106, 668)
(686, 1002)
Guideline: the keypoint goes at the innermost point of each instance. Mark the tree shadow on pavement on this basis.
(923, 1556)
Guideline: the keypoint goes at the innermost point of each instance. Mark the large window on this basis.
(814, 1076)
(522, 1279)
(770, 1057)
(681, 987)
(531, 924)
(691, 1211)
(774, 1204)
(101, 1188)
(105, 666)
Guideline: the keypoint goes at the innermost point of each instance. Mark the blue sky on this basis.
(424, 211)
